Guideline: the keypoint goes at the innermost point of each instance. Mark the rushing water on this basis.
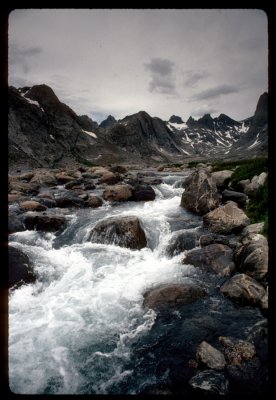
(81, 328)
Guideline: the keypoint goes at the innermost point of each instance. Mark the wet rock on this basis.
(213, 238)
(69, 199)
(237, 197)
(20, 270)
(210, 356)
(237, 350)
(220, 177)
(210, 382)
(215, 258)
(94, 201)
(31, 205)
(248, 378)
(89, 186)
(169, 296)
(243, 290)
(120, 231)
(200, 194)
(151, 181)
(226, 219)
(181, 241)
(258, 332)
(13, 197)
(117, 193)
(44, 222)
(143, 193)
(15, 223)
(264, 303)
(109, 178)
(26, 176)
(49, 203)
(252, 256)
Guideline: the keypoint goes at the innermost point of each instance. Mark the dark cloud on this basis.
(162, 78)
(192, 77)
(215, 92)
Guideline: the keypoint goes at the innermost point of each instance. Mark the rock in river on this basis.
(20, 270)
(210, 356)
(121, 231)
(210, 382)
(44, 222)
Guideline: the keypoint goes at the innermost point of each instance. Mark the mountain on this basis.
(108, 122)
(43, 131)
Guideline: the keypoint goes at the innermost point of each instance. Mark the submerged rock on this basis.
(216, 258)
(200, 195)
(243, 290)
(181, 241)
(121, 231)
(210, 356)
(210, 382)
(226, 219)
(20, 270)
(172, 295)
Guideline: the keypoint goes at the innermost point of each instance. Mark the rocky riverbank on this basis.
(228, 254)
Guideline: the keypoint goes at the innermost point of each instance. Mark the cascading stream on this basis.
(71, 332)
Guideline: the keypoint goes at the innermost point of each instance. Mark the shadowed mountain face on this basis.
(46, 132)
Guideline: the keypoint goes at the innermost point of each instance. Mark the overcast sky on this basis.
(182, 62)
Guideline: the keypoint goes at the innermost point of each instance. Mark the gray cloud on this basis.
(215, 92)
(162, 78)
(204, 110)
(19, 56)
(193, 76)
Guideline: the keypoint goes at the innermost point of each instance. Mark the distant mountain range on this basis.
(46, 132)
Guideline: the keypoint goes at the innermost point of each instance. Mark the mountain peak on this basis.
(109, 121)
(260, 116)
(176, 120)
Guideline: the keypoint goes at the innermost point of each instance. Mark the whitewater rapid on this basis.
(72, 332)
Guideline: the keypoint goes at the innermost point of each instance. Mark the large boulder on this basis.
(20, 270)
(226, 219)
(243, 290)
(168, 296)
(237, 197)
(44, 222)
(209, 356)
(215, 258)
(253, 228)
(32, 205)
(215, 238)
(117, 193)
(143, 193)
(44, 178)
(209, 382)
(120, 231)
(109, 178)
(220, 177)
(237, 350)
(181, 241)
(63, 178)
(200, 195)
(15, 222)
(252, 256)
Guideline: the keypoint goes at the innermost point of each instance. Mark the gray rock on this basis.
(243, 290)
(226, 219)
(210, 356)
(219, 177)
(15, 223)
(172, 296)
(237, 197)
(253, 228)
(256, 182)
(200, 195)
(68, 199)
(94, 201)
(252, 256)
(31, 205)
(181, 241)
(44, 222)
(20, 270)
(120, 231)
(210, 382)
(143, 193)
(215, 258)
